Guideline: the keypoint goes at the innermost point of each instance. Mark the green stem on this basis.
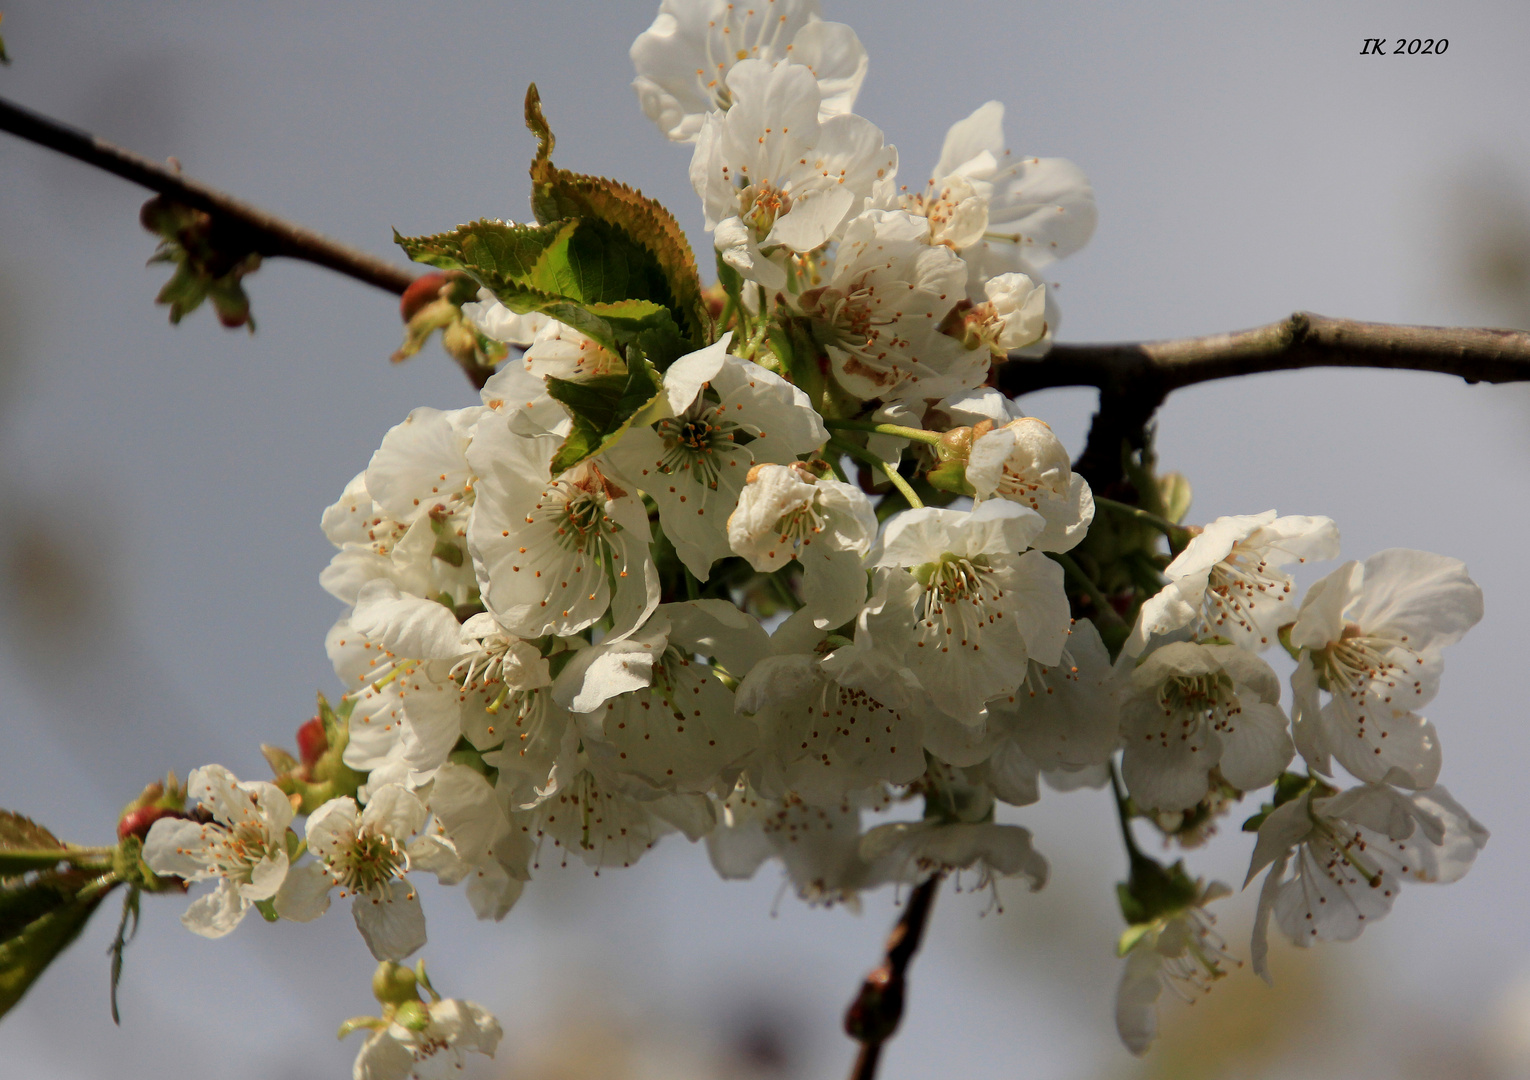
(1178, 535)
(1124, 815)
(929, 438)
(887, 470)
(1100, 601)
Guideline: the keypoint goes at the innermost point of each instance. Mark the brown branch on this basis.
(255, 230)
(874, 1014)
(1135, 378)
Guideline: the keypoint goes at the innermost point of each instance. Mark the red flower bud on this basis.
(312, 742)
(137, 822)
(422, 290)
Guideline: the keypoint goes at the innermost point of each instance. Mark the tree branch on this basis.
(1156, 368)
(263, 233)
(1135, 378)
(874, 1014)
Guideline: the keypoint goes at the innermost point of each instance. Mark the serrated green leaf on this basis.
(38, 920)
(635, 219)
(496, 253)
(17, 831)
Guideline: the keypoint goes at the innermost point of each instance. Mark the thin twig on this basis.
(263, 233)
(874, 1014)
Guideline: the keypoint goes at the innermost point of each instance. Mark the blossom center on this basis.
(368, 863)
(691, 442)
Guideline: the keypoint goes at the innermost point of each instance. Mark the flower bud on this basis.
(312, 741)
(951, 454)
(137, 822)
(157, 800)
(394, 984)
(412, 1015)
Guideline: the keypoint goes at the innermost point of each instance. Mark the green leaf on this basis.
(15, 863)
(497, 253)
(666, 270)
(602, 408)
(17, 831)
(39, 917)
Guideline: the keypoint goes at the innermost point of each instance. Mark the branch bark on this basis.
(263, 233)
(874, 1014)
(1134, 378)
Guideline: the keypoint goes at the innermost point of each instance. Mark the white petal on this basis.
(393, 923)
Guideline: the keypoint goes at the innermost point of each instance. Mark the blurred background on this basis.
(161, 491)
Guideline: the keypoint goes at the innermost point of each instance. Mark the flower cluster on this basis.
(775, 568)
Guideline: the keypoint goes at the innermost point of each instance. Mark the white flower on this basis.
(439, 1049)
(1229, 581)
(367, 853)
(961, 608)
(1351, 852)
(787, 513)
(494, 847)
(522, 400)
(821, 737)
(727, 415)
(1024, 462)
(562, 352)
(775, 176)
(1179, 951)
(786, 509)
(607, 827)
(1013, 316)
(553, 553)
(1064, 716)
(495, 320)
(912, 851)
(1370, 634)
(1000, 213)
(1194, 708)
(880, 315)
(243, 847)
(652, 716)
(819, 844)
(684, 58)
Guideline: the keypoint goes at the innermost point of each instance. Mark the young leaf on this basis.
(497, 254)
(635, 220)
(602, 408)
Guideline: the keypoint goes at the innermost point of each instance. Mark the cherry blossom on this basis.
(1371, 635)
(1337, 860)
(242, 845)
(1197, 708)
(1229, 581)
(772, 178)
(684, 58)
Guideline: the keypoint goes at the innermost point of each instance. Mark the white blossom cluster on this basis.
(710, 627)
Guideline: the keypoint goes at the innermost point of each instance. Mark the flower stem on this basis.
(1124, 815)
(929, 438)
(1098, 599)
(1177, 535)
(889, 471)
